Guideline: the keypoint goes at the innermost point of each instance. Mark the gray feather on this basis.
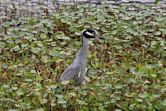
(70, 73)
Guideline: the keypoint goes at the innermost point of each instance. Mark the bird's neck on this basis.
(83, 52)
(85, 45)
(84, 48)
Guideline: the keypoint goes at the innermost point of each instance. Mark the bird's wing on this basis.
(70, 73)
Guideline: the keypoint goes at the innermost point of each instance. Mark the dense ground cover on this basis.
(126, 70)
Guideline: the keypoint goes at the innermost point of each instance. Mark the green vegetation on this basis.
(126, 70)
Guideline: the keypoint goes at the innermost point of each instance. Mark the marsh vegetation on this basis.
(127, 70)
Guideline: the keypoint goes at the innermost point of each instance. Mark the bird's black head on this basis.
(89, 33)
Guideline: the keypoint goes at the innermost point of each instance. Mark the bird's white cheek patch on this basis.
(90, 34)
(79, 74)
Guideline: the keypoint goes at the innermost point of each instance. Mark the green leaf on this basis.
(156, 1)
(40, 109)
(44, 59)
(2, 45)
(27, 102)
(35, 50)
(163, 102)
(154, 75)
(143, 95)
(158, 33)
(43, 36)
(20, 92)
(5, 65)
(24, 45)
(16, 48)
(13, 110)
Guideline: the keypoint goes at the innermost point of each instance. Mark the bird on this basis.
(77, 69)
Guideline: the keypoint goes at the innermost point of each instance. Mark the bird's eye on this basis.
(90, 34)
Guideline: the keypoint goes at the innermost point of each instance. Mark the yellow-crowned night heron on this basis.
(77, 70)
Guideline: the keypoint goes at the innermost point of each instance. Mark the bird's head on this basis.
(90, 33)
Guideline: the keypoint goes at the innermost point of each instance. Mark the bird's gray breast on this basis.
(81, 61)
